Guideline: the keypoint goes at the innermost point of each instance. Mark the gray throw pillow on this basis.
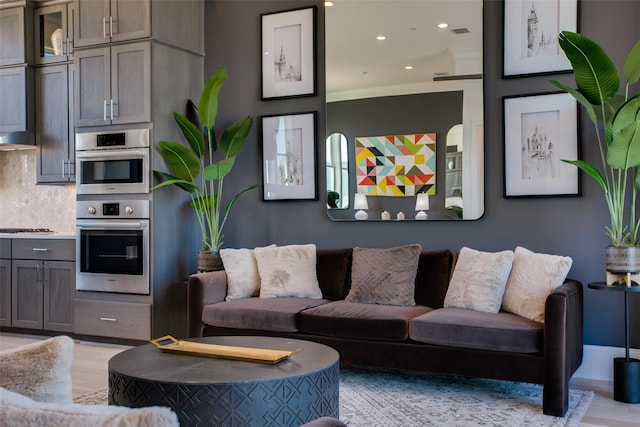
(384, 276)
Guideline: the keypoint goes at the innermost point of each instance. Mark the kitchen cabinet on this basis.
(112, 85)
(16, 84)
(5, 282)
(43, 284)
(107, 21)
(53, 27)
(54, 124)
(15, 27)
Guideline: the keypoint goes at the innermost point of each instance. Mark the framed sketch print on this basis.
(289, 157)
(531, 30)
(540, 131)
(288, 54)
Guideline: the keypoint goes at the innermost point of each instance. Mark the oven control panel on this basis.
(113, 209)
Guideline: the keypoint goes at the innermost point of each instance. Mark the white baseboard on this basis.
(597, 362)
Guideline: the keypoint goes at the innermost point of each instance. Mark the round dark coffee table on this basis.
(219, 392)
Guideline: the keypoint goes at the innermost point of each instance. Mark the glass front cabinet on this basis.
(53, 27)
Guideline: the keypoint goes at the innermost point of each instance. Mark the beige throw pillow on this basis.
(20, 411)
(243, 279)
(39, 370)
(532, 279)
(384, 276)
(288, 271)
(478, 280)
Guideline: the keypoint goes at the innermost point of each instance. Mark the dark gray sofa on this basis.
(425, 337)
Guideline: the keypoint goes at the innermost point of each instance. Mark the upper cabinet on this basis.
(14, 28)
(113, 84)
(53, 26)
(106, 21)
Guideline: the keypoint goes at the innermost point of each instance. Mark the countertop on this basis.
(45, 235)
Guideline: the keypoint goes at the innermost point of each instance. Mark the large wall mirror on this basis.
(394, 77)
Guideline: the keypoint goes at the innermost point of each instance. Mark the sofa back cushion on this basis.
(432, 279)
(333, 267)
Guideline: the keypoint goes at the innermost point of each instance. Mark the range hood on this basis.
(22, 140)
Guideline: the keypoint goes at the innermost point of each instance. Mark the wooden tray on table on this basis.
(261, 355)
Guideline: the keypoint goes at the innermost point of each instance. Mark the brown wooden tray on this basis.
(169, 344)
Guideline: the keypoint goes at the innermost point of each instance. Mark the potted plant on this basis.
(197, 170)
(616, 119)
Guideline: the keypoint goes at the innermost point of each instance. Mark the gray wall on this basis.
(572, 226)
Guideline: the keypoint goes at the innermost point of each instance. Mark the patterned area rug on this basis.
(376, 398)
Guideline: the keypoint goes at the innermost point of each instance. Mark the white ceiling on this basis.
(357, 61)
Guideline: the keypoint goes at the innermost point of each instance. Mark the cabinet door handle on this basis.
(112, 109)
(104, 27)
(104, 111)
(72, 168)
(63, 169)
(40, 249)
(108, 319)
(111, 26)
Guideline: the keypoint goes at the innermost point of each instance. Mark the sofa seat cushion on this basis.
(459, 327)
(267, 314)
(362, 321)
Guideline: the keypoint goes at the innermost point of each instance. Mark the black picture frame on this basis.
(539, 131)
(289, 166)
(530, 36)
(288, 55)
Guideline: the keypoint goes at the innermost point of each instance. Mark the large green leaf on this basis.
(234, 137)
(595, 74)
(624, 149)
(180, 160)
(632, 64)
(191, 133)
(578, 97)
(208, 105)
(219, 169)
(592, 171)
(204, 203)
(234, 198)
(172, 180)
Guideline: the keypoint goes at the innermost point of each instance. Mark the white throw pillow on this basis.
(243, 279)
(532, 279)
(288, 271)
(39, 370)
(478, 280)
(20, 411)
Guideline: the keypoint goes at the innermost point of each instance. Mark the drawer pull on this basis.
(40, 250)
(108, 319)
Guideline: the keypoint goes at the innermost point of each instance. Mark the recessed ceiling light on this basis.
(408, 67)
(328, 3)
(380, 38)
(442, 25)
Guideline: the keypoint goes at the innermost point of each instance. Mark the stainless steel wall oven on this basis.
(113, 162)
(113, 246)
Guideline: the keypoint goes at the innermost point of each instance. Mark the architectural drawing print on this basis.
(287, 64)
(289, 156)
(542, 29)
(539, 139)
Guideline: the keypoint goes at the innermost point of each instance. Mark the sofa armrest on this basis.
(203, 289)
(563, 344)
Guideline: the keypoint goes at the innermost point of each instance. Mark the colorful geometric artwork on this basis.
(396, 165)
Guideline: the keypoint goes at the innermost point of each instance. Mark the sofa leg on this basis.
(555, 399)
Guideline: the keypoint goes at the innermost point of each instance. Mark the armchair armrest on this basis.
(563, 344)
(203, 289)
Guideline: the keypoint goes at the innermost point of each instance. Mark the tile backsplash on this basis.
(24, 204)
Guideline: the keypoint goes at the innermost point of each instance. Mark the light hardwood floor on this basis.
(89, 374)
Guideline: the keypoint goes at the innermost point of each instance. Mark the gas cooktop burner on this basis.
(24, 230)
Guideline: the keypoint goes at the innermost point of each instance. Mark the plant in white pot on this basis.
(202, 168)
(616, 119)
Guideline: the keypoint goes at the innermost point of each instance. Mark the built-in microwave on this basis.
(113, 162)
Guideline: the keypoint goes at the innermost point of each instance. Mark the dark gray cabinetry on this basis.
(113, 85)
(5, 282)
(15, 26)
(106, 21)
(43, 284)
(53, 28)
(16, 84)
(54, 124)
